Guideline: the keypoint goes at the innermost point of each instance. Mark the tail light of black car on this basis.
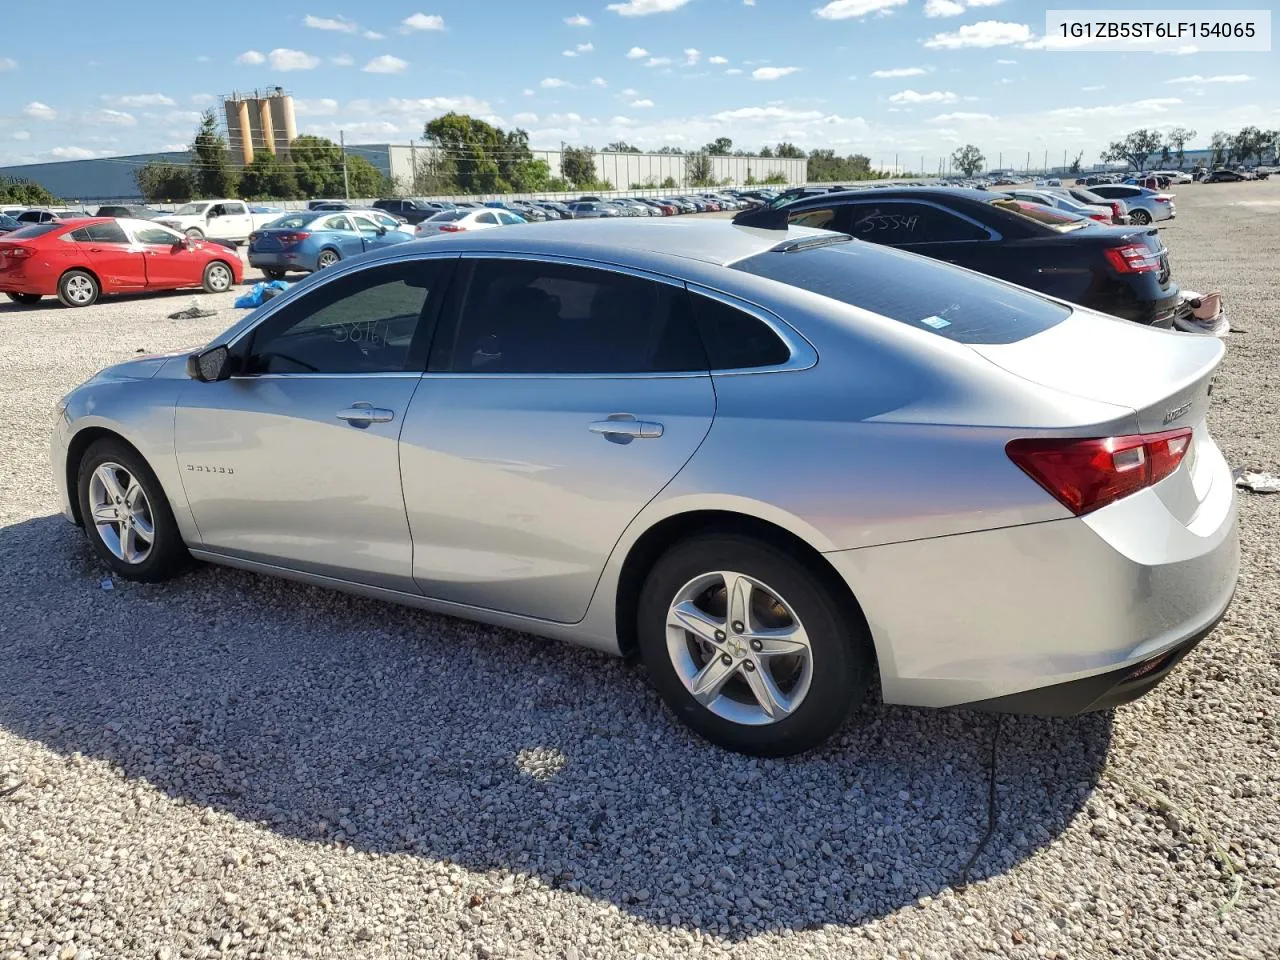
(1133, 258)
(1086, 475)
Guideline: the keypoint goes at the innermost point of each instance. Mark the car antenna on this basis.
(764, 218)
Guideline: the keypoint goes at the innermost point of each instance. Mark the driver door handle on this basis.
(626, 428)
(363, 414)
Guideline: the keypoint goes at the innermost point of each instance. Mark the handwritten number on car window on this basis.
(879, 222)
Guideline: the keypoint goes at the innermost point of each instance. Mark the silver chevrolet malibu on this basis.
(767, 462)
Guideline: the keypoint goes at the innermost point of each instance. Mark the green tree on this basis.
(967, 159)
(1074, 169)
(25, 192)
(789, 151)
(485, 158)
(670, 184)
(1135, 148)
(160, 182)
(719, 147)
(578, 165)
(266, 178)
(317, 166)
(826, 167)
(766, 151)
(776, 178)
(1164, 155)
(697, 170)
(1177, 138)
(363, 178)
(621, 146)
(1250, 142)
(1219, 144)
(670, 150)
(214, 174)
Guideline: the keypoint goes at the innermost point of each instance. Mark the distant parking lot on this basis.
(237, 766)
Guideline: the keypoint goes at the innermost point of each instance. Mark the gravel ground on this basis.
(236, 766)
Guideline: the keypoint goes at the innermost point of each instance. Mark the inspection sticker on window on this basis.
(1157, 31)
(936, 322)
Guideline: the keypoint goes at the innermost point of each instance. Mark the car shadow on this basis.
(7, 306)
(332, 719)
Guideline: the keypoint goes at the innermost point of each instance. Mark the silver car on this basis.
(1145, 205)
(769, 463)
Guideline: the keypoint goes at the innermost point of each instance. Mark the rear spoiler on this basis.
(763, 218)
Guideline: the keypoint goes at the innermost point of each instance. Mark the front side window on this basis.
(531, 317)
(233, 209)
(365, 322)
(366, 226)
(157, 236)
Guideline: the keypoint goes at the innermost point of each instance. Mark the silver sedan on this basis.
(769, 463)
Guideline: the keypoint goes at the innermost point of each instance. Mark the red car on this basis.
(80, 260)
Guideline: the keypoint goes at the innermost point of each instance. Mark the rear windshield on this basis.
(292, 221)
(34, 230)
(914, 290)
(448, 215)
(1058, 220)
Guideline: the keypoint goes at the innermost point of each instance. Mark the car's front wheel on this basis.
(217, 278)
(195, 233)
(750, 646)
(126, 514)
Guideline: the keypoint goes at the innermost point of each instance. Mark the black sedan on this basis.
(1123, 271)
(130, 211)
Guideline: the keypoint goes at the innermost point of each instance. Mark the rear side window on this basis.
(102, 233)
(734, 339)
(448, 216)
(486, 218)
(531, 317)
(917, 291)
(1060, 220)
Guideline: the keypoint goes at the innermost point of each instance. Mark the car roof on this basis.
(623, 240)
(964, 193)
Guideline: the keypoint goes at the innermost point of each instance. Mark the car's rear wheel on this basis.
(273, 274)
(1140, 218)
(195, 233)
(217, 278)
(750, 647)
(127, 516)
(327, 258)
(78, 288)
(26, 299)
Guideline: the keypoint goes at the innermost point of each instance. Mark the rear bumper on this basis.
(281, 260)
(1073, 606)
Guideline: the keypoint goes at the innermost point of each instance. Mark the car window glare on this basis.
(32, 231)
(921, 293)
(1058, 220)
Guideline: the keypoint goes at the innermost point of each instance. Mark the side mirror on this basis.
(210, 366)
(382, 231)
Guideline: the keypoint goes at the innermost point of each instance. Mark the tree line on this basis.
(1137, 148)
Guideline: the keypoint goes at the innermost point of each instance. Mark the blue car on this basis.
(314, 239)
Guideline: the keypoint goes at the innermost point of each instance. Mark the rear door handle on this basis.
(362, 414)
(623, 428)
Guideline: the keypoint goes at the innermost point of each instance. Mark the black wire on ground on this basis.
(992, 809)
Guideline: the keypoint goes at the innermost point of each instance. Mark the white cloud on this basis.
(718, 60)
(1220, 78)
(139, 100)
(1091, 89)
(175, 148)
(284, 60)
(1138, 107)
(418, 106)
(1006, 63)
(848, 9)
(20, 135)
(960, 117)
(637, 53)
(748, 3)
(525, 118)
(934, 96)
(8, 63)
(554, 83)
(421, 21)
(373, 35)
(943, 8)
(527, 92)
(386, 64)
(629, 92)
(772, 73)
(342, 60)
(72, 153)
(642, 103)
(117, 118)
(642, 8)
(578, 20)
(39, 111)
(691, 56)
(202, 99)
(252, 57)
(733, 72)
(568, 53)
(984, 33)
(580, 48)
(324, 107)
(340, 24)
(1181, 51)
(658, 62)
(896, 72)
(599, 82)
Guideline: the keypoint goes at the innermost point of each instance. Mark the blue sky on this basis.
(914, 78)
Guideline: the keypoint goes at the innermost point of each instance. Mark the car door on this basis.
(341, 233)
(170, 262)
(560, 399)
(374, 235)
(116, 260)
(235, 223)
(294, 461)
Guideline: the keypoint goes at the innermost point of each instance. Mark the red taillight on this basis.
(1099, 216)
(1163, 199)
(20, 253)
(1116, 212)
(1084, 475)
(1133, 258)
(451, 228)
(295, 237)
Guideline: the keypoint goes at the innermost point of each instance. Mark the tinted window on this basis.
(156, 236)
(486, 218)
(365, 322)
(100, 233)
(921, 293)
(521, 316)
(8, 223)
(897, 223)
(735, 339)
(233, 209)
(448, 216)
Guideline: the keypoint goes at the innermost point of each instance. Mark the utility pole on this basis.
(346, 184)
(1001, 167)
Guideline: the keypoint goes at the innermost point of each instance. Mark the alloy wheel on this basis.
(121, 513)
(80, 289)
(739, 648)
(219, 278)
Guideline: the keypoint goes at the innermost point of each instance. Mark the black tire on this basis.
(218, 278)
(168, 555)
(327, 258)
(842, 651)
(273, 274)
(1140, 218)
(26, 299)
(79, 288)
(195, 233)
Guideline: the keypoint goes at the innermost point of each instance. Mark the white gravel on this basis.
(235, 766)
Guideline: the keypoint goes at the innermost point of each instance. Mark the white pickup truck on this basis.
(217, 220)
